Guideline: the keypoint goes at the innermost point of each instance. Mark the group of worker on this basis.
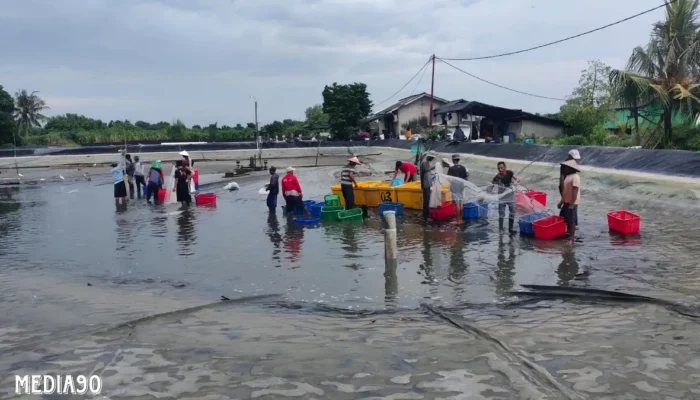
(504, 181)
(129, 177)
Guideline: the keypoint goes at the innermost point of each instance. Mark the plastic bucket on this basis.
(525, 223)
(623, 221)
(205, 199)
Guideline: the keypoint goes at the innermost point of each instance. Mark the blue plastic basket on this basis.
(315, 209)
(307, 221)
(145, 188)
(525, 223)
(474, 210)
(389, 206)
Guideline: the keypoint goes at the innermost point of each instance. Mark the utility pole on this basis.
(258, 145)
(432, 87)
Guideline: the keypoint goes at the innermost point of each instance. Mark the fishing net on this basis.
(466, 192)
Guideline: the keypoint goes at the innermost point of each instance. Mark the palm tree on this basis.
(666, 71)
(28, 107)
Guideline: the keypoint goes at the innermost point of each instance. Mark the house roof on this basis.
(401, 103)
(485, 110)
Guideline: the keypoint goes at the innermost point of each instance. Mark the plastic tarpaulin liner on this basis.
(671, 162)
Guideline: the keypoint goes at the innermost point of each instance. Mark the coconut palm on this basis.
(28, 108)
(666, 71)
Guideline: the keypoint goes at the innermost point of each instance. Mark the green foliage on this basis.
(316, 119)
(587, 107)
(346, 106)
(28, 108)
(7, 123)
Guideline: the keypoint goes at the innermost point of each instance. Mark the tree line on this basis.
(22, 122)
(654, 102)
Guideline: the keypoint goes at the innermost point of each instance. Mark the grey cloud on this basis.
(201, 59)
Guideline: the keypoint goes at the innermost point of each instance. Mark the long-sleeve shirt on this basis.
(291, 186)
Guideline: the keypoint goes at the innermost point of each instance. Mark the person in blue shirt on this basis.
(119, 184)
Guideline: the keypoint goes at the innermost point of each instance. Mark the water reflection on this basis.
(506, 267)
(427, 267)
(273, 232)
(124, 230)
(391, 282)
(186, 233)
(293, 238)
(568, 268)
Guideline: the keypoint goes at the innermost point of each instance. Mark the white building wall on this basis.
(416, 110)
(540, 130)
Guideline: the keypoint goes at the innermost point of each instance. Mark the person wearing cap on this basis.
(570, 196)
(456, 185)
(154, 181)
(409, 170)
(573, 155)
(291, 191)
(426, 166)
(347, 181)
(273, 189)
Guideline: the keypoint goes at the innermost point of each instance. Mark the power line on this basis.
(565, 39)
(425, 68)
(500, 86)
(404, 86)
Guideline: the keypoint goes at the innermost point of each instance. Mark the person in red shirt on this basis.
(291, 191)
(409, 170)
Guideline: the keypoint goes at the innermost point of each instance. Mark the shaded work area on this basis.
(496, 124)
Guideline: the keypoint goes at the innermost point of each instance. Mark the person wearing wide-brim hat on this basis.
(347, 182)
(570, 196)
(573, 154)
(186, 160)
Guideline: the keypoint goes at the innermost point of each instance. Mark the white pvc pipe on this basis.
(390, 246)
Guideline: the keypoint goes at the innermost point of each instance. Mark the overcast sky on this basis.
(201, 60)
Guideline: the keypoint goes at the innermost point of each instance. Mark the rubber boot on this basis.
(500, 223)
(510, 226)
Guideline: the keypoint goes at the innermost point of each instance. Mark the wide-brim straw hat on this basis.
(575, 154)
(354, 160)
(155, 164)
(184, 153)
(290, 169)
(572, 164)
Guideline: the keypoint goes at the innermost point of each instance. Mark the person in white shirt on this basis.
(139, 175)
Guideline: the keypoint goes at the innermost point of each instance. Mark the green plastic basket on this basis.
(350, 215)
(332, 200)
(330, 213)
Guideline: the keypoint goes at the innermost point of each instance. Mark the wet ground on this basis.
(441, 323)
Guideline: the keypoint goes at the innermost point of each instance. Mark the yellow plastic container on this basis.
(412, 195)
(335, 189)
(380, 193)
(359, 192)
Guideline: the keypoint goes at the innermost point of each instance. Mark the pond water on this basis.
(68, 233)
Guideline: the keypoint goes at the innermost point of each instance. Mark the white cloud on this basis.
(199, 60)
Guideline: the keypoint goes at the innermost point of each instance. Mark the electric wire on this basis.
(564, 39)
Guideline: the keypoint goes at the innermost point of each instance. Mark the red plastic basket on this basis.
(161, 195)
(445, 211)
(623, 221)
(540, 197)
(205, 199)
(549, 227)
